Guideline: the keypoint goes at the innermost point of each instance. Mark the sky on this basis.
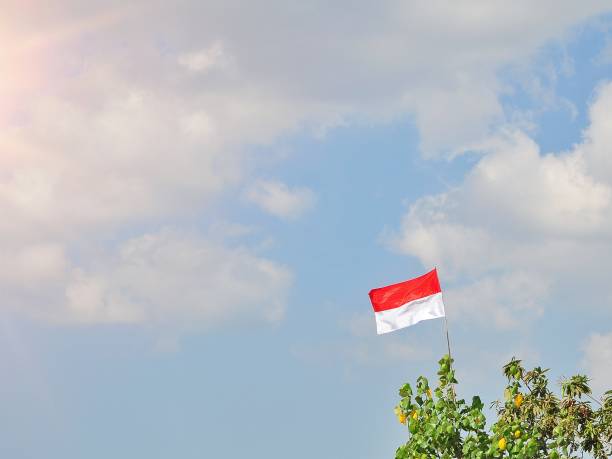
(196, 198)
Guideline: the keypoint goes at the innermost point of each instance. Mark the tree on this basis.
(532, 421)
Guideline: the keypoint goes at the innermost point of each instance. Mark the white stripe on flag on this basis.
(429, 307)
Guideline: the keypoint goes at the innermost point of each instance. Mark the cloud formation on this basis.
(521, 222)
(598, 361)
(117, 121)
(278, 199)
(173, 277)
(169, 278)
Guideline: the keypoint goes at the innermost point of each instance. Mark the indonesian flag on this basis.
(407, 303)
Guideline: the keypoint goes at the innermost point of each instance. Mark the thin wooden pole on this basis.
(447, 338)
(446, 331)
(450, 356)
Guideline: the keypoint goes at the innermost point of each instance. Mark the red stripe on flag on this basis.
(396, 295)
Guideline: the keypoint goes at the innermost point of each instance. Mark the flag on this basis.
(407, 303)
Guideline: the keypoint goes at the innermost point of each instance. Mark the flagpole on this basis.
(446, 329)
(447, 338)
(450, 357)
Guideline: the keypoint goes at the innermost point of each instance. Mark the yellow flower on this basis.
(415, 415)
(518, 400)
(401, 417)
(517, 434)
(502, 443)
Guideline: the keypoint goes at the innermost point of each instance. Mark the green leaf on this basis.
(405, 390)
(477, 403)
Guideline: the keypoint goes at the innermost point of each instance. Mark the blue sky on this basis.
(197, 199)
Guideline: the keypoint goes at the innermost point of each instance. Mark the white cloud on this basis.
(112, 125)
(279, 200)
(595, 150)
(522, 222)
(36, 264)
(204, 60)
(435, 60)
(509, 301)
(598, 361)
(169, 278)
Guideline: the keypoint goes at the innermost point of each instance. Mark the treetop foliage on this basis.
(532, 421)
